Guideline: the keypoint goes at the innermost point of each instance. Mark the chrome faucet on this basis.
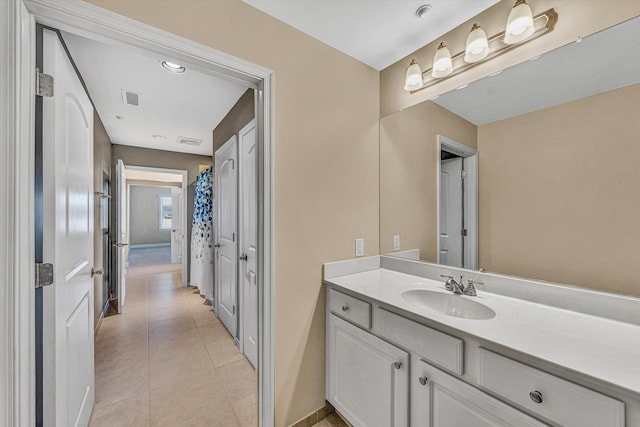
(459, 288)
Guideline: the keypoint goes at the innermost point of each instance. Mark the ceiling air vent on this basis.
(131, 98)
(189, 141)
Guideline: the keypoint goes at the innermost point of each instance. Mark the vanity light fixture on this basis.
(413, 79)
(442, 65)
(477, 45)
(480, 49)
(172, 67)
(519, 24)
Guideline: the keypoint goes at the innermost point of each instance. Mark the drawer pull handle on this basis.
(536, 396)
(423, 380)
(397, 365)
(345, 307)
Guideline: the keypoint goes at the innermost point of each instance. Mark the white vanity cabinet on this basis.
(367, 378)
(387, 370)
(441, 400)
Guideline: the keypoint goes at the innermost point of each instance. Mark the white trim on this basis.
(470, 196)
(150, 245)
(17, 82)
(160, 197)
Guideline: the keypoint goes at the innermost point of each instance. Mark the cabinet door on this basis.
(367, 378)
(440, 400)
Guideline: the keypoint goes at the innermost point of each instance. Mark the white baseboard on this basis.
(150, 245)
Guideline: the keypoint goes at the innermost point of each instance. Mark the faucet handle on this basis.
(470, 289)
(448, 285)
(446, 276)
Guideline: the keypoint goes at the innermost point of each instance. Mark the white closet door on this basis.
(249, 241)
(451, 212)
(121, 234)
(68, 243)
(177, 232)
(226, 179)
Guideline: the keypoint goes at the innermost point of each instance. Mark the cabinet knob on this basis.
(536, 396)
(423, 380)
(397, 365)
(345, 307)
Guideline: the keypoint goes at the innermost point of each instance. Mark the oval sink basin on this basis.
(449, 304)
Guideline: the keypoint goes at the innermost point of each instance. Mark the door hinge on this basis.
(44, 275)
(44, 84)
(234, 310)
(233, 237)
(463, 231)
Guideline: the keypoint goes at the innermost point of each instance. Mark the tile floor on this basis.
(332, 420)
(167, 361)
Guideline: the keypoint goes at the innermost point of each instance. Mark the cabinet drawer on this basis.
(350, 308)
(558, 400)
(437, 347)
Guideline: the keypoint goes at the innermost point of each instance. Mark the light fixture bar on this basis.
(544, 23)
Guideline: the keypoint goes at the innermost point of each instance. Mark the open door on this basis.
(121, 243)
(249, 241)
(451, 213)
(177, 227)
(68, 377)
(226, 179)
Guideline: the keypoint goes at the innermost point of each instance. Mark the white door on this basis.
(440, 400)
(367, 377)
(249, 242)
(177, 233)
(451, 224)
(121, 234)
(68, 243)
(226, 179)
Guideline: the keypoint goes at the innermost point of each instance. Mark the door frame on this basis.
(17, 90)
(183, 208)
(470, 196)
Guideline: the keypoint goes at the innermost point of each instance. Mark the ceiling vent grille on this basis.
(131, 98)
(189, 141)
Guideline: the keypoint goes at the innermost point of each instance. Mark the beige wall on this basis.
(242, 113)
(326, 168)
(101, 166)
(137, 156)
(576, 18)
(408, 175)
(144, 218)
(559, 196)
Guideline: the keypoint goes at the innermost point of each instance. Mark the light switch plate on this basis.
(359, 247)
(396, 242)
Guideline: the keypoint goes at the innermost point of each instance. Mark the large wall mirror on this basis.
(545, 182)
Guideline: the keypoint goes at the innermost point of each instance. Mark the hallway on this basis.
(167, 361)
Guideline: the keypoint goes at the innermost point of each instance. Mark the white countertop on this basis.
(603, 349)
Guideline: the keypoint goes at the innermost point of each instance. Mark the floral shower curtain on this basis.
(202, 235)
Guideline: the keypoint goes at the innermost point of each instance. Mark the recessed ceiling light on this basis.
(158, 136)
(172, 67)
(421, 12)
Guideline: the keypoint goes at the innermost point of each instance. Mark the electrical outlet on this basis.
(359, 247)
(396, 242)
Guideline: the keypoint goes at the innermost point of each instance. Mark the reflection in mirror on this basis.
(558, 143)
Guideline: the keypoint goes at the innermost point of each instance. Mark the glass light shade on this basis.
(442, 65)
(413, 80)
(477, 45)
(519, 24)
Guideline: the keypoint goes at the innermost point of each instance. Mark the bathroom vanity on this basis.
(403, 351)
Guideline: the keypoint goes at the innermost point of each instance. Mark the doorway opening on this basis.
(457, 188)
(101, 25)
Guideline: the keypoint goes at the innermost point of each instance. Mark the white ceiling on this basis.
(186, 105)
(376, 32)
(602, 62)
(152, 176)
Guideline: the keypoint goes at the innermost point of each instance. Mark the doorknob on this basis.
(95, 272)
(243, 257)
(217, 245)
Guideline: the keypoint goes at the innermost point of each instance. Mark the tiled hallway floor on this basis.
(167, 361)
